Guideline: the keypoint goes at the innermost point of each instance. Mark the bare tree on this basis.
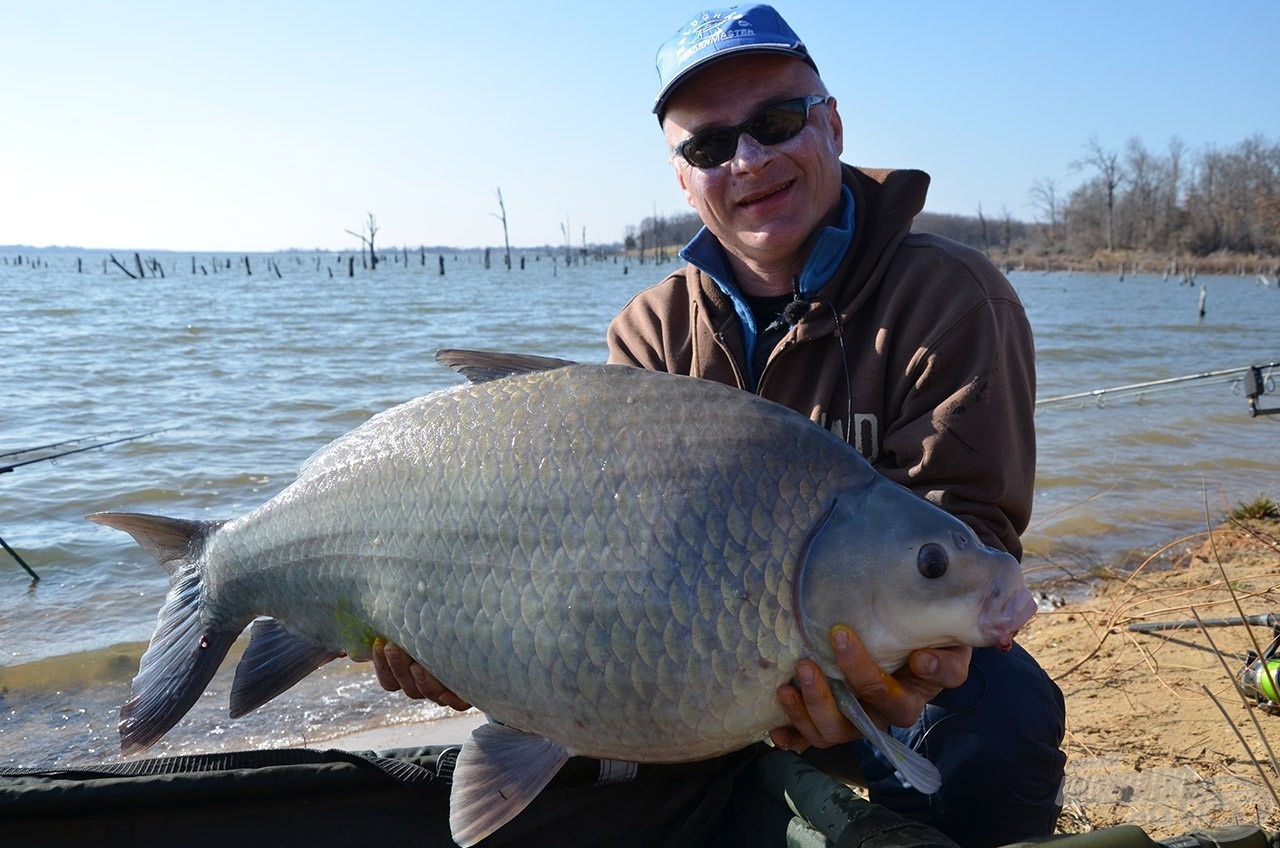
(506, 242)
(986, 239)
(1044, 196)
(1006, 229)
(367, 241)
(1107, 164)
(1171, 191)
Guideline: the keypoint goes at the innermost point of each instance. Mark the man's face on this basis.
(766, 203)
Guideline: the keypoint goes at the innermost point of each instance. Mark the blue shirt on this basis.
(706, 254)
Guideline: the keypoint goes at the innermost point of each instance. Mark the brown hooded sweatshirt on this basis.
(938, 349)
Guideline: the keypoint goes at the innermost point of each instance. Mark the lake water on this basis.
(255, 372)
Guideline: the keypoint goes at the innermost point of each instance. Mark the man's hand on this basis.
(896, 699)
(398, 671)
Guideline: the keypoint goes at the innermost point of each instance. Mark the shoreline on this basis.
(449, 730)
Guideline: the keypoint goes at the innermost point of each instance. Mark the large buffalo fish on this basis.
(607, 561)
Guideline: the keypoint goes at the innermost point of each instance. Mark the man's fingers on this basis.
(945, 668)
(386, 678)
(435, 690)
(829, 723)
(885, 699)
(399, 663)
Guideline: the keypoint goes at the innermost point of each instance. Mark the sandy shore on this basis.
(1152, 717)
(446, 731)
(1148, 741)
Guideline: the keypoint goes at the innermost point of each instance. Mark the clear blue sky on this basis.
(262, 125)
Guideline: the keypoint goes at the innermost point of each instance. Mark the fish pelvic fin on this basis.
(275, 660)
(186, 649)
(500, 771)
(915, 769)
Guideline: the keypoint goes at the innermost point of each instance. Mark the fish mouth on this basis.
(1000, 626)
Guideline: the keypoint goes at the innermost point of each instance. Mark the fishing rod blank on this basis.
(14, 465)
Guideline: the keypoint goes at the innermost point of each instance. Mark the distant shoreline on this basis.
(1120, 262)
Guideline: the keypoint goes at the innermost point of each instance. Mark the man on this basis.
(807, 287)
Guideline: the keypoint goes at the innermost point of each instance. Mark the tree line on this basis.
(1173, 202)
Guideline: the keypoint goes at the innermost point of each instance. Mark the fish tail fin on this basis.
(186, 649)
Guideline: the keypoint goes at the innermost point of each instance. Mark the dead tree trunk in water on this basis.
(506, 241)
(127, 272)
(367, 241)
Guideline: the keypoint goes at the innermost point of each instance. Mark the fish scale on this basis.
(609, 562)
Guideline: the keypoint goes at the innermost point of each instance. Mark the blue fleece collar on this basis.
(706, 254)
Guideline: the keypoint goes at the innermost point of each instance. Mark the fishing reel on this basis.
(1260, 383)
(1260, 676)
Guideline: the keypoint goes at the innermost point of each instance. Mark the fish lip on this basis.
(999, 627)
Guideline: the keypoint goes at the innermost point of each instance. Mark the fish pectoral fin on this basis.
(500, 771)
(915, 769)
(276, 659)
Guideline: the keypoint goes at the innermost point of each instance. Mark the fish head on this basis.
(905, 575)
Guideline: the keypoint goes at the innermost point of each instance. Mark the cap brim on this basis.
(660, 103)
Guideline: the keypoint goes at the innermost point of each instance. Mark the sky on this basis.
(264, 125)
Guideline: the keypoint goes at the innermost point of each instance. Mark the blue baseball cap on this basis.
(718, 34)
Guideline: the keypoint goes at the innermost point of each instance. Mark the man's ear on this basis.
(837, 125)
(682, 172)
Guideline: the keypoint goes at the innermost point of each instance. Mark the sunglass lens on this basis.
(779, 123)
(712, 148)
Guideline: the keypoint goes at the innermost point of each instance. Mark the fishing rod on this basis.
(23, 451)
(1255, 380)
(4, 468)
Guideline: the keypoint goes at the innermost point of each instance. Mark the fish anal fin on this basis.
(915, 769)
(274, 661)
(481, 366)
(500, 771)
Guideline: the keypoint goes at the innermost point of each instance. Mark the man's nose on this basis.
(750, 153)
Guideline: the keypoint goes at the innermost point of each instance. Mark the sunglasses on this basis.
(774, 125)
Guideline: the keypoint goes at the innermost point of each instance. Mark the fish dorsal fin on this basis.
(481, 366)
(499, 771)
(276, 659)
(172, 541)
(915, 769)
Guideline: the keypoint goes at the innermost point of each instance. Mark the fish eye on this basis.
(932, 561)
